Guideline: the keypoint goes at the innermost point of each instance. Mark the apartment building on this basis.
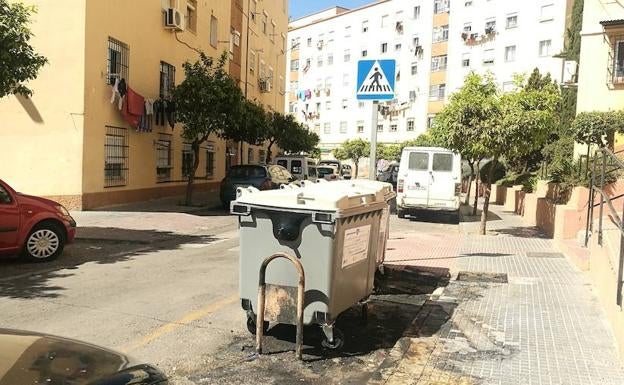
(71, 142)
(435, 43)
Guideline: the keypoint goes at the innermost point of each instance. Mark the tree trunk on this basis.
(470, 179)
(269, 153)
(240, 144)
(486, 203)
(476, 198)
(191, 177)
(357, 167)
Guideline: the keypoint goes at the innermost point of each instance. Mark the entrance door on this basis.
(417, 180)
(442, 182)
(9, 220)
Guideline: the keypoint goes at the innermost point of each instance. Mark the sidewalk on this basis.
(543, 326)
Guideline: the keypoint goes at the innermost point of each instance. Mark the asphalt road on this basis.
(173, 302)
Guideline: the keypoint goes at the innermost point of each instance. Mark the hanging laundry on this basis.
(119, 91)
(171, 113)
(308, 94)
(134, 105)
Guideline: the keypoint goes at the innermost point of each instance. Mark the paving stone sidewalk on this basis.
(544, 326)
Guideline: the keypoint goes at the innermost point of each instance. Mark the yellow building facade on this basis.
(71, 143)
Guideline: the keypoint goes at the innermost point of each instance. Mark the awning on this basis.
(612, 23)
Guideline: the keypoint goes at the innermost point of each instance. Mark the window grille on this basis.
(116, 157)
(188, 159)
(118, 55)
(167, 79)
(615, 69)
(164, 155)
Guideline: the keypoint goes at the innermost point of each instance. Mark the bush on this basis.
(499, 172)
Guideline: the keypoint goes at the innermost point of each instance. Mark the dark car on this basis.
(38, 228)
(34, 358)
(346, 171)
(261, 177)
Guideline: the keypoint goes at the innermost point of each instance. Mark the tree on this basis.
(464, 120)
(19, 62)
(354, 150)
(289, 135)
(598, 128)
(208, 101)
(250, 125)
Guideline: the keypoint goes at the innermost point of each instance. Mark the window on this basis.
(467, 27)
(440, 6)
(309, 42)
(364, 53)
(294, 84)
(393, 127)
(414, 68)
(235, 37)
(512, 21)
(440, 33)
(327, 128)
(164, 158)
(416, 13)
(317, 128)
(328, 105)
(618, 63)
(347, 32)
(397, 47)
(466, 60)
(468, 3)
(380, 128)
(442, 162)
(167, 79)
(262, 69)
(488, 56)
(410, 124)
(265, 22)
(330, 59)
(544, 48)
(547, 12)
(438, 63)
(343, 127)
(252, 62)
(437, 92)
(294, 44)
(116, 157)
(117, 61)
(384, 21)
(254, 10)
(191, 15)
(294, 65)
(510, 53)
(281, 85)
(509, 86)
(345, 104)
(412, 96)
(418, 161)
(490, 26)
(296, 166)
(328, 83)
(347, 55)
(360, 126)
(365, 26)
(430, 120)
(345, 79)
(384, 47)
(250, 155)
(214, 31)
(319, 61)
(188, 159)
(4, 196)
(361, 104)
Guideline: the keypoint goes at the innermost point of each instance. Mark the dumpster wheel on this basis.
(338, 342)
(251, 325)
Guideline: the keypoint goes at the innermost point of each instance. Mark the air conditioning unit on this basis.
(569, 71)
(174, 19)
(265, 85)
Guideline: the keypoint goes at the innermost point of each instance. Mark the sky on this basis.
(300, 8)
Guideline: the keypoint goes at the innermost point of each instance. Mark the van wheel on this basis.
(400, 213)
(44, 243)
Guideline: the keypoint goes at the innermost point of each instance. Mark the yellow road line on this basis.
(187, 319)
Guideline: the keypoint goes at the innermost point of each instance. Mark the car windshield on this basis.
(322, 171)
(247, 172)
(330, 162)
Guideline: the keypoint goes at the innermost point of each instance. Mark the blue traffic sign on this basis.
(376, 79)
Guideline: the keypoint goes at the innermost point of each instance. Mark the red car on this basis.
(38, 228)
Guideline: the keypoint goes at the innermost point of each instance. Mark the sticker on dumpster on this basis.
(355, 246)
(384, 221)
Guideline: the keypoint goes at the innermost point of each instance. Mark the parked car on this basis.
(38, 228)
(389, 174)
(346, 172)
(298, 165)
(328, 172)
(35, 358)
(261, 177)
(429, 179)
(331, 162)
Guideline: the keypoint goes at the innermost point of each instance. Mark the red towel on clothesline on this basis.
(133, 107)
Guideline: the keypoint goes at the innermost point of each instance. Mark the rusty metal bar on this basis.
(590, 205)
(261, 302)
(602, 196)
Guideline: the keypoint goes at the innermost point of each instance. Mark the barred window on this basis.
(188, 159)
(118, 56)
(167, 79)
(116, 157)
(164, 161)
(210, 155)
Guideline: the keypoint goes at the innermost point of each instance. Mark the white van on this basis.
(429, 179)
(300, 166)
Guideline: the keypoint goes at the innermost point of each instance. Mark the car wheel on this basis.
(44, 243)
(400, 213)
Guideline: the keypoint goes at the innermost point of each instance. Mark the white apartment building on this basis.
(435, 43)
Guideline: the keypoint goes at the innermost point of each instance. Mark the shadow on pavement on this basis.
(466, 215)
(20, 279)
(521, 232)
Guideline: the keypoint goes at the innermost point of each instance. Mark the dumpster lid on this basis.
(323, 196)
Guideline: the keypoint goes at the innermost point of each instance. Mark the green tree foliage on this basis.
(572, 49)
(598, 128)
(250, 125)
(289, 135)
(354, 150)
(19, 62)
(208, 101)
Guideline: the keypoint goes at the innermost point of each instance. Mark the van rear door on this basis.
(442, 180)
(416, 185)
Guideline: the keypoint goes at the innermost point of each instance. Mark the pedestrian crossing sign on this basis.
(376, 79)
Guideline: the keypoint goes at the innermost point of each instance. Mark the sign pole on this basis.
(372, 168)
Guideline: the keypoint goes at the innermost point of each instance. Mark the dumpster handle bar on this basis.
(261, 302)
